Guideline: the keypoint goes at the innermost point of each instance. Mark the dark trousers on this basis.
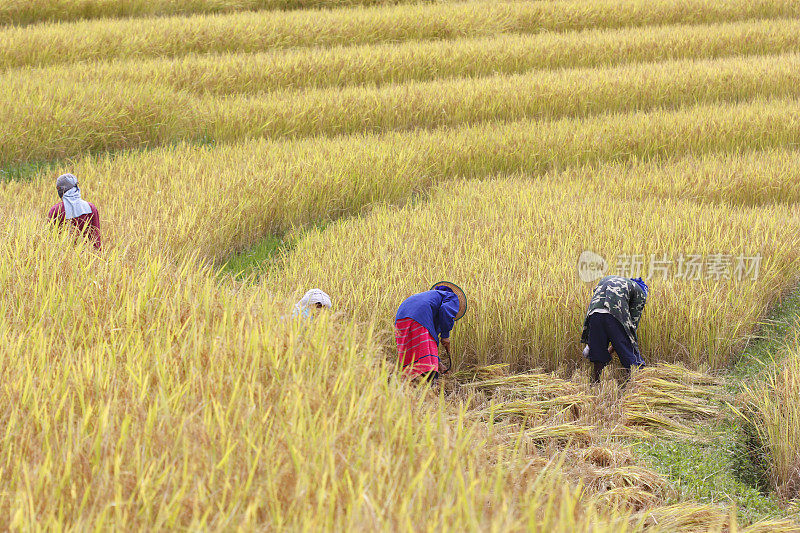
(604, 329)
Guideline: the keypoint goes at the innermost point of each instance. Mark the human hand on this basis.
(611, 350)
(446, 344)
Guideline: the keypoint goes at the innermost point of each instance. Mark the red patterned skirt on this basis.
(417, 350)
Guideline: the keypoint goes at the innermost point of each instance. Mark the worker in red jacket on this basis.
(82, 215)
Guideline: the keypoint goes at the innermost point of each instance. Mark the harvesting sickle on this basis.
(421, 321)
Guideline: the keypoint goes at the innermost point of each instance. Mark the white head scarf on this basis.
(74, 206)
(311, 298)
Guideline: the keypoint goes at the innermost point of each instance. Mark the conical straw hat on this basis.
(462, 298)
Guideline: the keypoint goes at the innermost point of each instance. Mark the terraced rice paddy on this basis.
(32, 11)
(492, 233)
(380, 146)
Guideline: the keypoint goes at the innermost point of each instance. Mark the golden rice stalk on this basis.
(392, 63)
(528, 308)
(481, 372)
(623, 431)
(634, 498)
(607, 456)
(689, 407)
(563, 432)
(685, 517)
(141, 393)
(665, 386)
(536, 408)
(656, 422)
(33, 11)
(679, 373)
(771, 406)
(83, 112)
(256, 31)
(776, 525)
(605, 479)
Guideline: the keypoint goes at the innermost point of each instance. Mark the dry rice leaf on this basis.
(686, 517)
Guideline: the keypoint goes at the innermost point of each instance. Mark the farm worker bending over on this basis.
(420, 321)
(80, 214)
(311, 302)
(613, 316)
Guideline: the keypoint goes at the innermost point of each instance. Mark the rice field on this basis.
(423, 60)
(18, 12)
(496, 231)
(163, 383)
(49, 44)
(65, 121)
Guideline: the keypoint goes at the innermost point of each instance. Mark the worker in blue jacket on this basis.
(421, 321)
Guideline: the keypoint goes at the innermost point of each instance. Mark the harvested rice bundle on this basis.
(686, 517)
(482, 372)
(607, 456)
(532, 409)
(562, 432)
(680, 373)
(629, 485)
(530, 385)
(630, 497)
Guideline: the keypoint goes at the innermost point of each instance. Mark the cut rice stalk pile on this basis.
(702, 518)
(562, 432)
(533, 408)
(652, 403)
(529, 384)
(662, 405)
(481, 373)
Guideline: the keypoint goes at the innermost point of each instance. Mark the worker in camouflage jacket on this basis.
(612, 318)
